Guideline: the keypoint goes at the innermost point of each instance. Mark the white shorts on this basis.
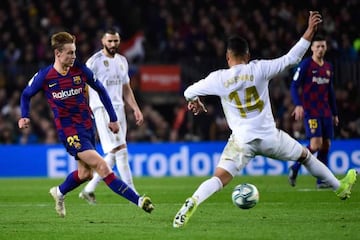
(108, 139)
(279, 146)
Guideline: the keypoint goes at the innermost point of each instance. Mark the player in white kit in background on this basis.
(111, 69)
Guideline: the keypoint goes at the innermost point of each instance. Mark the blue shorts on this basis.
(319, 127)
(83, 140)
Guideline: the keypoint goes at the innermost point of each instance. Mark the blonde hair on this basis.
(58, 40)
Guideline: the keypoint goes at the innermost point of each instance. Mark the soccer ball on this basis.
(245, 196)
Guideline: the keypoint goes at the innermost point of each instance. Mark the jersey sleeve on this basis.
(297, 83)
(126, 66)
(90, 63)
(271, 68)
(33, 87)
(208, 86)
(100, 89)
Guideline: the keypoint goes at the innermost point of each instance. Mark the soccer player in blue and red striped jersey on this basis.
(64, 85)
(314, 98)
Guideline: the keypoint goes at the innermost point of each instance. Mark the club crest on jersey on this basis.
(77, 80)
(106, 63)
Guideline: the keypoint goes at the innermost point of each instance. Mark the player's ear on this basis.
(57, 52)
(248, 57)
(103, 40)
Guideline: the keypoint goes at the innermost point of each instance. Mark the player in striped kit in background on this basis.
(315, 104)
(64, 85)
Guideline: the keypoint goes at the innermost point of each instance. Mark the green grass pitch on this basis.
(283, 212)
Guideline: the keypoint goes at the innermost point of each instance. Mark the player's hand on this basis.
(23, 123)
(196, 106)
(114, 127)
(314, 20)
(298, 113)
(139, 118)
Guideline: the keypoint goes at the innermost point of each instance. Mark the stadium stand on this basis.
(188, 33)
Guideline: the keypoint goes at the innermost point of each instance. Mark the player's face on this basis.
(319, 48)
(67, 55)
(111, 43)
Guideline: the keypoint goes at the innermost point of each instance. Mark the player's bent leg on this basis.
(122, 189)
(203, 192)
(88, 193)
(320, 171)
(115, 184)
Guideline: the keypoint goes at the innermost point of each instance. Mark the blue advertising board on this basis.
(161, 159)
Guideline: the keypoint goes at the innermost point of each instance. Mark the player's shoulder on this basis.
(81, 68)
(254, 62)
(255, 65)
(220, 72)
(44, 71)
(305, 63)
(306, 60)
(120, 57)
(78, 64)
(95, 57)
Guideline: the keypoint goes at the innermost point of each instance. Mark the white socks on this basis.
(122, 164)
(319, 170)
(207, 188)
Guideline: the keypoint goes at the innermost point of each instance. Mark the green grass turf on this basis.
(283, 212)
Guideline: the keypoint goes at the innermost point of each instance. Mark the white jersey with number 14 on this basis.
(244, 93)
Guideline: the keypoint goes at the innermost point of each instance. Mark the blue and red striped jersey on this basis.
(317, 92)
(66, 97)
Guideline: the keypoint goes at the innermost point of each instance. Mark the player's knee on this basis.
(102, 168)
(315, 147)
(318, 144)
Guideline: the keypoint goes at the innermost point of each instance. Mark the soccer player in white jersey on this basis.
(243, 89)
(111, 69)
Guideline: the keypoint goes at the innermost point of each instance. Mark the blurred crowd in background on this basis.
(191, 33)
